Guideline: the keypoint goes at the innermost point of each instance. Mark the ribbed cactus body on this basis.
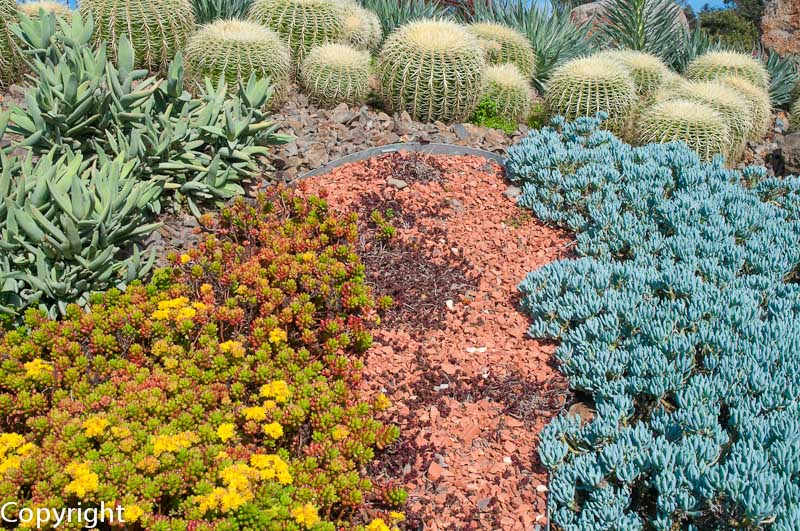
(728, 103)
(702, 128)
(303, 24)
(362, 28)
(510, 91)
(505, 45)
(433, 69)
(234, 49)
(586, 86)
(32, 9)
(336, 73)
(9, 58)
(760, 105)
(157, 29)
(647, 71)
(714, 65)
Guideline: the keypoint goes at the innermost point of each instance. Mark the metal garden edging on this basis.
(416, 147)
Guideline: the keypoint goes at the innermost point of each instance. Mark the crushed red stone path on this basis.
(470, 390)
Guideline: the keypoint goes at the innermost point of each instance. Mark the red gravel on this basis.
(470, 390)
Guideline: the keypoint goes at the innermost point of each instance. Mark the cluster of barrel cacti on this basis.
(722, 101)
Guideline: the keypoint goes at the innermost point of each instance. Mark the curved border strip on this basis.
(419, 147)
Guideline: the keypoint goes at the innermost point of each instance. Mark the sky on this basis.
(697, 5)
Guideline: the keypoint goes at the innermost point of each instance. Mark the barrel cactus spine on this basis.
(433, 69)
(510, 91)
(157, 29)
(714, 65)
(647, 71)
(503, 44)
(10, 61)
(760, 104)
(362, 28)
(235, 49)
(303, 24)
(702, 128)
(589, 85)
(32, 9)
(336, 73)
(728, 103)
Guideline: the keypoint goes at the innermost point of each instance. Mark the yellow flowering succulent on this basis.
(83, 481)
(36, 368)
(131, 513)
(278, 336)
(173, 443)
(13, 443)
(185, 258)
(274, 430)
(234, 348)
(378, 524)
(339, 432)
(272, 467)
(226, 431)
(94, 426)
(305, 515)
(185, 313)
(255, 413)
(278, 390)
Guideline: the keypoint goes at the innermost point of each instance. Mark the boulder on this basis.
(582, 14)
(790, 153)
(780, 26)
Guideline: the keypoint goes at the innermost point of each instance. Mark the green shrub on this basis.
(714, 65)
(304, 24)
(727, 101)
(486, 115)
(362, 28)
(702, 128)
(202, 148)
(236, 49)
(9, 57)
(336, 73)
(224, 395)
(759, 104)
(157, 29)
(586, 86)
(434, 69)
(68, 229)
(647, 71)
(505, 45)
(32, 9)
(206, 11)
(511, 92)
(730, 28)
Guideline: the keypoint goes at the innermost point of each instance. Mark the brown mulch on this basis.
(470, 390)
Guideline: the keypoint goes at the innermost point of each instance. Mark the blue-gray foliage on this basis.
(681, 317)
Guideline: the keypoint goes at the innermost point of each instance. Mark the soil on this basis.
(470, 390)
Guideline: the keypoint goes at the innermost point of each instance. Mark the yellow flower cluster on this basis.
(278, 336)
(305, 515)
(12, 449)
(132, 513)
(83, 479)
(234, 348)
(178, 309)
(339, 432)
(173, 443)
(226, 431)
(272, 467)
(274, 430)
(278, 390)
(382, 402)
(94, 426)
(185, 258)
(37, 367)
(255, 413)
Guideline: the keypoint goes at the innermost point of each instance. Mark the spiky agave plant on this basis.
(794, 120)
(210, 10)
(759, 104)
(702, 128)
(32, 9)
(235, 49)
(10, 60)
(505, 45)
(718, 64)
(336, 73)
(434, 69)
(362, 28)
(734, 108)
(303, 24)
(394, 13)
(647, 71)
(510, 91)
(157, 29)
(586, 86)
